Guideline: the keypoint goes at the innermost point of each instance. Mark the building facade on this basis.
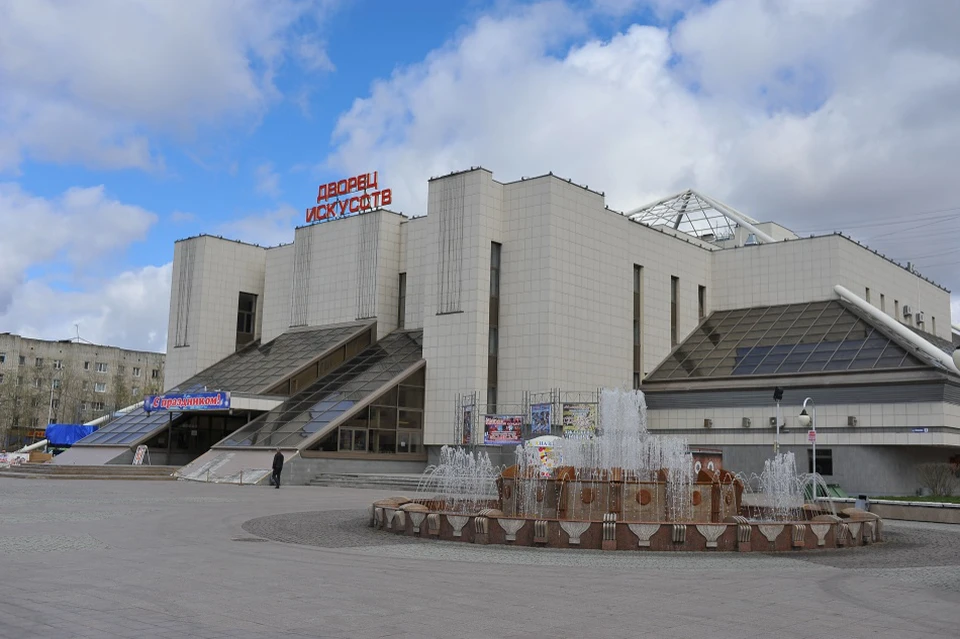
(67, 381)
(533, 289)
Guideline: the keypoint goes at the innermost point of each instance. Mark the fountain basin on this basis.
(736, 534)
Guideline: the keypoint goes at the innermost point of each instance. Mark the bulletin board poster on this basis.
(466, 435)
(540, 419)
(579, 419)
(502, 430)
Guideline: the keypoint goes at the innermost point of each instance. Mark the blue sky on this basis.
(127, 125)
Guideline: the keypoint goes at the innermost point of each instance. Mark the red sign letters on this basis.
(332, 203)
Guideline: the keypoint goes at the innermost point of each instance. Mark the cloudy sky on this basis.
(127, 124)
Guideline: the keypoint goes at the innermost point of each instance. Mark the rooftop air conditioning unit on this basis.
(907, 311)
(851, 420)
(708, 423)
(746, 422)
(919, 317)
(773, 422)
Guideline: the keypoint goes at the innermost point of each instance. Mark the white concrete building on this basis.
(534, 291)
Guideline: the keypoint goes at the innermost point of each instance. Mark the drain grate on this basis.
(249, 539)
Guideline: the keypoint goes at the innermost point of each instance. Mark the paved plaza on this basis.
(174, 559)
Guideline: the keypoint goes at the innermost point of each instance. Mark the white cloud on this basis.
(82, 231)
(267, 180)
(816, 114)
(266, 229)
(92, 82)
(129, 310)
(81, 228)
(180, 217)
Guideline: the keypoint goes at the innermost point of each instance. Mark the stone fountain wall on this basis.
(856, 528)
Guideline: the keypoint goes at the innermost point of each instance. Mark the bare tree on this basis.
(939, 477)
(20, 398)
(122, 395)
(67, 394)
(154, 385)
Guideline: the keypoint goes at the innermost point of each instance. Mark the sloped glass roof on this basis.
(126, 429)
(253, 369)
(815, 337)
(296, 421)
(257, 367)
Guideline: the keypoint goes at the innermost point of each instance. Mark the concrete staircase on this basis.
(53, 471)
(393, 481)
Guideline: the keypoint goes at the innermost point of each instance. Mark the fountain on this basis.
(621, 488)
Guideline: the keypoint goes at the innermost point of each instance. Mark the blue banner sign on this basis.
(187, 401)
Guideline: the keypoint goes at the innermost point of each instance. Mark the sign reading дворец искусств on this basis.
(362, 201)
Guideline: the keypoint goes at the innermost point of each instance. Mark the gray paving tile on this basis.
(126, 559)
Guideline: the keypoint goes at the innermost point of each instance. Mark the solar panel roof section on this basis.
(127, 429)
(257, 367)
(814, 337)
(310, 411)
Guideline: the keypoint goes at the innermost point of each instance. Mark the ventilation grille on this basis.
(367, 266)
(452, 196)
(299, 285)
(188, 258)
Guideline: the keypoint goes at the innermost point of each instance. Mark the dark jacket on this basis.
(278, 462)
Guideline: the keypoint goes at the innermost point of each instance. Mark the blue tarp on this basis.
(67, 434)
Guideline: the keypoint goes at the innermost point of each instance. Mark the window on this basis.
(23, 360)
(493, 335)
(121, 369)
(933, 324)
(39, 362)
(494, 341)
(402, 300)
(97, 405)
(136, 371)
(100, 387)
(3, 358)
(55, 403)
(701, 301)
(824, 461)
(637, 325)
(883, 303)
(155, 374)
(246, 318)
(1, 378)
(37, 382)
(84, 406)
(86, 366)
(674, 311)
(86, 386)
(867, 296)
(56, 384)
(101, 367)
(492, 399)
(495, 250)
(58, 364)
(896, 310)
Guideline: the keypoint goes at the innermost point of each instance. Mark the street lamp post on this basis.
(811, 422)
(777, 396)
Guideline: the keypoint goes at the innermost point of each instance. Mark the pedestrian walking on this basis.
(277, 467)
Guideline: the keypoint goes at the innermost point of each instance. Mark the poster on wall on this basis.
(540, 418)
(466, 432)
(579, 420)
(502, 430)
